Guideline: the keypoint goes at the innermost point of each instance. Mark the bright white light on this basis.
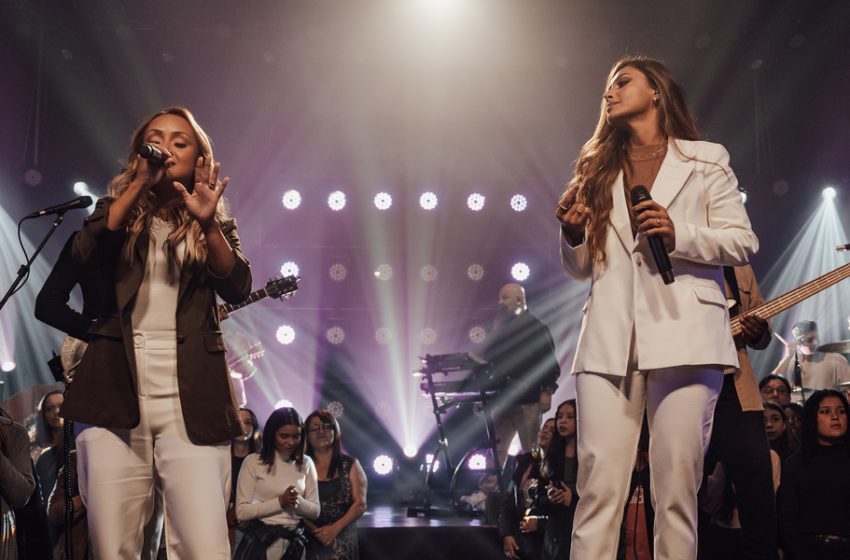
(428, 336)
(383, 201)
(519, 203)
(336, 408)
(285, 334)
(515, 446)
(383, 464)
(382, 335)
(428, 201)
(384, 272)
(283, 403)
(475, 202)
(520, 271)
(8, 365)
(81, 188)
(829, 193)
(743, 197)
(429, 273)
(291, 199)
(338, 272)
(289, 268)
(335, 335)
(477, 334)
(410, 451)
(429, 458)
(477, 462)
(475, 272)
(336, 200)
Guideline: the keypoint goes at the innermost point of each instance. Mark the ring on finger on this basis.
(212, 185)
(659, 221)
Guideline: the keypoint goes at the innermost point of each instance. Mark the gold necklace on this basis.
(649, 156)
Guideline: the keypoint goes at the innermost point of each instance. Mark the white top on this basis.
(825, 370)
(258, 490)
(156, 301)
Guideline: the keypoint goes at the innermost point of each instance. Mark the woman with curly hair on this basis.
(152, 393)
(815, 488)
(655, 339)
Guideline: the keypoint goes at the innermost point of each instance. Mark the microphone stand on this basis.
(25, 268)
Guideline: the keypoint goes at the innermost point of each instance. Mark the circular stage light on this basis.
(429, 273)
(410, 451)
(335, 335)
(336, 200)
(475, 272)
(520, 271)
(291, 199)
(477, 462)
(477, 334)
(81, 188)
(383, 201)
(336, 408)
(743, 197)
(285, 334)
(382, 335)
(338, 272)
(829, 193)
(383, 465)
(475, 202)
(428, 201)
(289, 268)
(384, 272)
(8, 365)
(428, 336)
(519, 203)
(283, 403)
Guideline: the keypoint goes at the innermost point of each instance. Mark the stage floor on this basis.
(387, 532)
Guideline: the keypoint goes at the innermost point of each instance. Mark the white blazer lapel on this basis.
(620, 215)
(671, 177)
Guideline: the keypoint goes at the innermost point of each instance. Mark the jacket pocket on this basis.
(107, 326)
(214, 342)
(709, 294)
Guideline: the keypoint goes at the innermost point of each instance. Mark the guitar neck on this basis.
(253, 297)
(783, 302)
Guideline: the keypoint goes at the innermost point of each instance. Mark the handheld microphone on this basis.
(80, 202)
(639, 194)
(842, 248)
(152, 154)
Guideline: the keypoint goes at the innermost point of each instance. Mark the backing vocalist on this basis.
(153, 385)
(644, 345)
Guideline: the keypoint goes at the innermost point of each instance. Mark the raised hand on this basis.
(203, 201)
(573, 214)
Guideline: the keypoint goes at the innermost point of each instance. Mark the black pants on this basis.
(741, 440)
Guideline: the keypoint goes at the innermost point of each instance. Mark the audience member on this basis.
(249, 442)
(794, 416)
(16, 481)
(815, 490)
(520, 527)
(777, 433)
(775, 388)
(561, 468)
(48, 435)
(56, 512)
(342, 491)
(277, 489)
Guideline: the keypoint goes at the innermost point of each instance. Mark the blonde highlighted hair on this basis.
(187, 228)
(604, 156)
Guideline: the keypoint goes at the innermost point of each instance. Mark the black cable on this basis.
(69, 500)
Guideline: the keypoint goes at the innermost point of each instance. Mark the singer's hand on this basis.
(653, 219)
(753, 328)
(202, 203)
(573, 214)
(148, 173)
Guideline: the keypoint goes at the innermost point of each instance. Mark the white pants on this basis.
(117, 471)
(679, 403)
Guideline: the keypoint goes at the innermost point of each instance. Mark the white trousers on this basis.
(679, 403)
(118, 467)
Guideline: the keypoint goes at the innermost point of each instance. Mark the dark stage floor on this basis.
(387, 532)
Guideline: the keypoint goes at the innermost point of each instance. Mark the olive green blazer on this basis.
(103, 392)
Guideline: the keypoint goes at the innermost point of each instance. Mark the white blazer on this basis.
(686, 322)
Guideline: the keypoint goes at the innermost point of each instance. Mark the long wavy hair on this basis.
(255, 442)
(553, 463)
(43, 432)
(809, 427)
(336, 458)
(281, 417)
(187, 228)
(604, 156)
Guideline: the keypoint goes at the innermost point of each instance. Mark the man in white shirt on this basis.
(803, 367)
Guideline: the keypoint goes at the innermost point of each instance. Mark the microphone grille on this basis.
(639, 194)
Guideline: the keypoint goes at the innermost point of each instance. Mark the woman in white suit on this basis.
(644, 345)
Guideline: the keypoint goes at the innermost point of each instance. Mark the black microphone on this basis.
(662, 261)
(81, 202)
(153, 154)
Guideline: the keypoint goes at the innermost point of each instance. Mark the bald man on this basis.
(524, 367)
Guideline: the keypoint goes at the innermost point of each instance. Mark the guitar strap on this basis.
(729, 274)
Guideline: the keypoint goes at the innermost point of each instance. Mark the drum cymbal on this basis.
(845, 384)
(842, 347)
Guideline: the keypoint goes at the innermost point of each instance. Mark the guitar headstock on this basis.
(256, 351)
(283, 288)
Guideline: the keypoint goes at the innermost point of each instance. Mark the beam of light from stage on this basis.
(810, 255)
(23, 339)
